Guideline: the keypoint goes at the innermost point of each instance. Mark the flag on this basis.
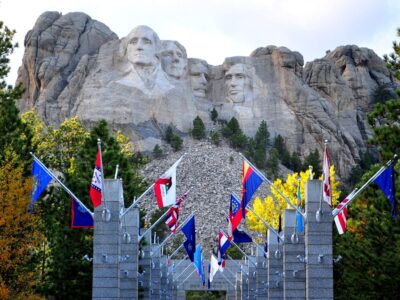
(213, 268)
(223, 245)
(341, 218)
(198, 263)
(190, 244)
(250, 182)
(41, 179)
(327, 189)
(235, 215)
(266, 244)
(386, 183)
(173, 213)
(299, 217)
(80, 216)
(165, 187)
(241, 237)
(97, 182)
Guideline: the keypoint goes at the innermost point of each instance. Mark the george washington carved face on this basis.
(142, 47)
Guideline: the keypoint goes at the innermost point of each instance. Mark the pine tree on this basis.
(214, 115)
(198, 131)
(157, 151)
(176, 142)
(273, 164)
(169, 133)
(12, 131)
(258, 145)
(314, 160)
(393, 59)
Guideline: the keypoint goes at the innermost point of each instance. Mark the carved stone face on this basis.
(238, 83)
(142, 46)
(199, 79)
(173, 60)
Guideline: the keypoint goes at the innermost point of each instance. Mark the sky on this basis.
(216, 29)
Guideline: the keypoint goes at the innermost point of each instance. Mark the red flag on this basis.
(173, 213)
(341, 218)
(96, 186)
(327, 192)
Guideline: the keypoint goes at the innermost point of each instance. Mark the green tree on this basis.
(176, 142)
(66, 275)
(384, 120)
(273, 164)
(157, 151)
(258, 145)
(215, 138)
(382, 93)
(280, 145)
(314, 160)
(169, 133)
(393, 59)
(214, 115)
(198, 131)
(295, 162)
(12, 131)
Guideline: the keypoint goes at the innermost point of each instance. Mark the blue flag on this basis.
(240, 237)
(41, 180)
(386, 182)
(190, 244)
(80, 216)
(299, 218)
(198, 263)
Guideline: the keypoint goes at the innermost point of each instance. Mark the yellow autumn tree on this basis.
(19, 231)
(274, 205)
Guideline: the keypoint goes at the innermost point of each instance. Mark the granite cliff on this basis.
(76, 66)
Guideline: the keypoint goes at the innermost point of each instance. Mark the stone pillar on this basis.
(294, 281)
(145, 266)
(106, 250)
(164, 278)
(155, 281)
(318, 244)
(245, 282)
(252, 284)
(261, 285)
(275, 267)
(239, 276)
(129, 255)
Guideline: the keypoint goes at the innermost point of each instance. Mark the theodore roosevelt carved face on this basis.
(142, 48)
(198, 73)
(173, 59)
(238, 83)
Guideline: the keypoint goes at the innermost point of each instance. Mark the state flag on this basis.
(250, 182)
(97, 182)
(80, 216)
(190, 232)
(41, 179)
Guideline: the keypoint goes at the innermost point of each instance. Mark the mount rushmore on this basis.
(76, 66)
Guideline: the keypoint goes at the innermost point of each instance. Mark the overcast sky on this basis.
(215, 29)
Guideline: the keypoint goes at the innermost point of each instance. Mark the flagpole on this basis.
(173, 234)
(153, 225)
(181, 261)
(241, 251)
(173, 253)
(184, 270)
(336, 211)
(69, 192)
(239, 265)
(222, 273)
(137, 200)
(186, 278)
(271, 184)
(116, 172)
(102, 174)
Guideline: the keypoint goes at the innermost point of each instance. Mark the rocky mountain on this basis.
(75, 66)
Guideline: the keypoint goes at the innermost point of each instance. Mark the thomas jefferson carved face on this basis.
(143, 44)
(238, 83)
(199, 79)
(173, 59)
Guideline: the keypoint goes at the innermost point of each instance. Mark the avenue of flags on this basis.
(165, 193)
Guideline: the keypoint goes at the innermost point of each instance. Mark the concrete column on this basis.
(294, 281)
(245, 282)
(145, 266)
(164, 278)
(318, 244)
(275, 267)
(106, 250)
(128, 265)
(261, 285)
(155, 281)
(239, 276)
(252, 283)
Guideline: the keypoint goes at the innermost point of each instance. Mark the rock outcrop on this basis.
(75, 66)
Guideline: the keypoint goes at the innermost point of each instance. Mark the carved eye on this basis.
(147, 41)
(133, 41)
(228, 77)
(179, 54)
(240, 76)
